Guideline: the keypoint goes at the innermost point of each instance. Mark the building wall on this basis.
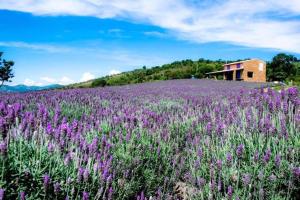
(233, 66)
(258, 67)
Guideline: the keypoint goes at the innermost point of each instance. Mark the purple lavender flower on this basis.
(86, 175)
(109, 179)
(200, 182)
(272, 178)
(267, 156)
(56, 187)
(22, 195)
(219, 185)
(85, 196)
(3, 147)
(220, 128)
(200, 153)
(240, 150)
(219, 164)
(49, 129)
(2, 193)
(208, 128)
(292, 92)
(3, 125)
(50, 147)
(256, 156)
(158, 150)
(158, 194)
(197, 164)
(246, 179)
(105, 173)
(228, 159)
(229, 192)
(142, 197)
(67, 159)
(296, 172)
(212, 185)
(128, 136)
(80, 174)
(46, 180)
(110, 193)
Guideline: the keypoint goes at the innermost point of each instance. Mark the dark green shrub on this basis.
(99, 83)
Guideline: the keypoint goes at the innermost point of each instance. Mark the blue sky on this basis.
(63, 41)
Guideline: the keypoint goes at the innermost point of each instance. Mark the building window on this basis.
(228, 67)
(261, 67)
(250, 74)
(238, 65)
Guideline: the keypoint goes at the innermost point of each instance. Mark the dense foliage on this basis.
(208, 139)
(6, 73)
(283, 67)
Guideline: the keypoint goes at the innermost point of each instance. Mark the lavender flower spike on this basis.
(229, 192)
(240, 150)
(85, 196)
(2, 194)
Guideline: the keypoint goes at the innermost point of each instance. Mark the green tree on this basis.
(282, 67)
(203, 69)
(6, 73)
(99, 83)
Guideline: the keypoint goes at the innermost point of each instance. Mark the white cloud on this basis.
(114, 30)
(155, 34)
(30, 82)
(48, 79)
(87, 76)
(43, 47)
(113, 72)
(65, 80)
(252, 23)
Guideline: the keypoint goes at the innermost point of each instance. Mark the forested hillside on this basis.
(177, 70)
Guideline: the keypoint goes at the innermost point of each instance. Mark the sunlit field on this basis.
(183, 139)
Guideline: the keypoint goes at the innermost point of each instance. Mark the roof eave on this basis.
(216, 72)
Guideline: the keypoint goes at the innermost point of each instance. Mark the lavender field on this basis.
(183, 139)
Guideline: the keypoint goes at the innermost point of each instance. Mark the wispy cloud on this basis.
(87, 76)
(115, 30)
(30, 82)
(65, 81)
(44, 47)
(155, 34)
(62, 81)
(113, 72)
(253, 23)
(122, 56)
(48, 79)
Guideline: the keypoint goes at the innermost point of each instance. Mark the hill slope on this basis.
(176, 70)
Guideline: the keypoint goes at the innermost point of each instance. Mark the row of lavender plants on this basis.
(223, 140)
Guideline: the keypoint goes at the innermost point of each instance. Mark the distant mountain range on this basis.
(25, 88)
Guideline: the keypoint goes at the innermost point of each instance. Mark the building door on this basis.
(229, 76)
(238, 75)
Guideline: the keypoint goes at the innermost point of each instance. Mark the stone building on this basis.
(253, 70)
